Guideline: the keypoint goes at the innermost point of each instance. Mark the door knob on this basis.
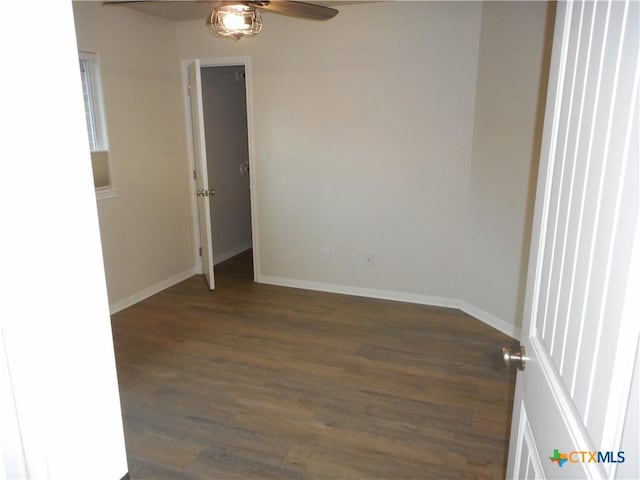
(205, 193)
(514, 356)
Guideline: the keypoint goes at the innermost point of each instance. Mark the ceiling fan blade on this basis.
(125, 2)
(211, 3)
(190, 9)
(297, 9)
(171, 10)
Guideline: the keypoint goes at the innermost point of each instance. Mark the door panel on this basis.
(528, 455)
(580, 325)
(202, 179)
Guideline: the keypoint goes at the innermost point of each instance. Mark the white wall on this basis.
(54, 315)
(406, 130)
(509, 111)
(362, 141)
(225, 122)
(147, 234)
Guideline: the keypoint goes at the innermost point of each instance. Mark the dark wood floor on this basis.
(256, 381)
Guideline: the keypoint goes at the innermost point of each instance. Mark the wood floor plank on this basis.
(257, 381)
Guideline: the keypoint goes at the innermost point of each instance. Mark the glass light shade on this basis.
(235, 21)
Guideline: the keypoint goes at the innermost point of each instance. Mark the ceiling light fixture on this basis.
(235, 21)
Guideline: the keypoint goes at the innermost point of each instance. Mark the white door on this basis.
(582, 314)
(202, 180)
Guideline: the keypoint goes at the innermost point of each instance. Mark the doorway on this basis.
(224, 106)
(220, 129)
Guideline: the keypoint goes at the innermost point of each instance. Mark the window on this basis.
(96, 126)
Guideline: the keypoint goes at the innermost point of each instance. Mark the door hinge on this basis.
(200, 250)
(189, 89)
(195, 177)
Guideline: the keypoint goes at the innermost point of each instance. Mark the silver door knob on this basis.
(514, 356)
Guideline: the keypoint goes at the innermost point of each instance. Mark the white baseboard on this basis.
(446, 302)
(485, 317)
(231, 253)
(490, 319)
(149, 291)
(360, 291)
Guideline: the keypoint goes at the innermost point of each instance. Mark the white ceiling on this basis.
(193, 10)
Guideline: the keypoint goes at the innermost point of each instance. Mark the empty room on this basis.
(351, 240)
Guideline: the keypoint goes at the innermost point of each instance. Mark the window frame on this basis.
(97, 120)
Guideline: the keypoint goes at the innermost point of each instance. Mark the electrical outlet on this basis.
(325, 255)
(368, 259)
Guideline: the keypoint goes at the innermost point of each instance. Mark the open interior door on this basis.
(582, 314)
(203, 192)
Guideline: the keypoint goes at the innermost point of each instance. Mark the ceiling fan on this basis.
(237, 19)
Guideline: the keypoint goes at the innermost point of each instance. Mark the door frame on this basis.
(244, 61)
